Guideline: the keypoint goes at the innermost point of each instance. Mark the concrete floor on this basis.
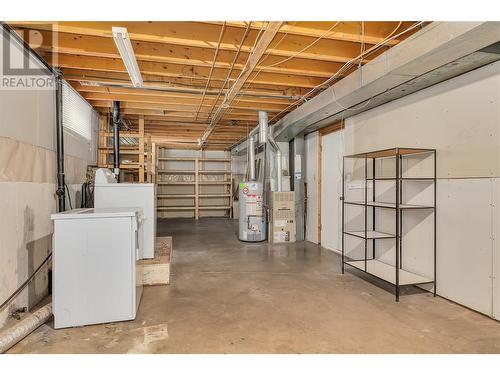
(231, 297)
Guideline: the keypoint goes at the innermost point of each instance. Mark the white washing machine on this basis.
(109, 193)
(97, 276)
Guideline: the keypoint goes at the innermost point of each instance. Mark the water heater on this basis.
(252, 221)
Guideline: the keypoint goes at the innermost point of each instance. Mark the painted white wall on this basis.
(331, 190)
(27, 187)
(461, 119)
(311, 152)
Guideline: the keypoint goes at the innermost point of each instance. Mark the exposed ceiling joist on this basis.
(259, 50)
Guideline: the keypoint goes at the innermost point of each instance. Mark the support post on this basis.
(141, 149)
(61, 183)
(343, 213)
(319, 183)
(196, 188)
(398, 234)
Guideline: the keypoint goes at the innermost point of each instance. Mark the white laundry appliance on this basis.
(108, 193)
(97, 276)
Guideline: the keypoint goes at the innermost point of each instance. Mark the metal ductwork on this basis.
(439, 51)
(267, 134)
(251, 158)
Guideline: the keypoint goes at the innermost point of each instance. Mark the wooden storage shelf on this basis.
(211, 186)
(142, 167)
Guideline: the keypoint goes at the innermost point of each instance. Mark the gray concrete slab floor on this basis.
(232, 297)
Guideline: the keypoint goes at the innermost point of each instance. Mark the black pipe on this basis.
(116, 139)
(61, 191)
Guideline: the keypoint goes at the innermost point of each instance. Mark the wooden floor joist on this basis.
(199, 77)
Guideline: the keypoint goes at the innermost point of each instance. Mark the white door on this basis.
(331, 189)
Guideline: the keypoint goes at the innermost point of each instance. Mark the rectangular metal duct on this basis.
(440, 51)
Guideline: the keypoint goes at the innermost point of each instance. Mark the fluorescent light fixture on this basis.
(122, 41)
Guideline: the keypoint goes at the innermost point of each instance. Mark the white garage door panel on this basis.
(464, 255)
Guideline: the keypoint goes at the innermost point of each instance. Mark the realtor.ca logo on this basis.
(20, 68)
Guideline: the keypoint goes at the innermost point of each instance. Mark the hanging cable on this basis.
(211, 70)
(348, 64)
(305, 48)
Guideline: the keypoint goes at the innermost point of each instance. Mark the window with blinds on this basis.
(77, 113)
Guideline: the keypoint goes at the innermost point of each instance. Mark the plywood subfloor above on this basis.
(190, 69)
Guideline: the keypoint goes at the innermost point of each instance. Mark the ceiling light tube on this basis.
(122, 41)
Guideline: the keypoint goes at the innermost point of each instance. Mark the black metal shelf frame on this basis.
(369, 264)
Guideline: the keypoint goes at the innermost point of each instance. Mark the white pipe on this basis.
(13, 335)
(251, 157)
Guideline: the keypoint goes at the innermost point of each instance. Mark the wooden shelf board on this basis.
(175, 183)
(175, 196)
(214, 207)
(214, 172)
(214, 195)
(176, 159)
(174, 208)
(387, 272)
(168, 171)
(214, 182)
(220, 160)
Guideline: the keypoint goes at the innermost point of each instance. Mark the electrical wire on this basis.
(211, 69)
(305, 48)
(224, 105)
(349, 64)
(250, 81)
(231, 67)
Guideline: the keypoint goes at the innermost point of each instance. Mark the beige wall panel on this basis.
(459, 117)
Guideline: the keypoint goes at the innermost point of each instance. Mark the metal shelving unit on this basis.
(196, 187)
(369, 233)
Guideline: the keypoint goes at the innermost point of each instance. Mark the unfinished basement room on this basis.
(249, 187)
